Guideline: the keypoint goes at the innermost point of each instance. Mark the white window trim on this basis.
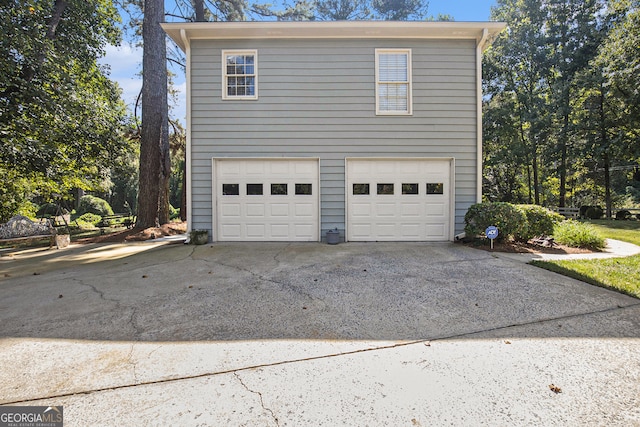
(409, 110)
(226, 53)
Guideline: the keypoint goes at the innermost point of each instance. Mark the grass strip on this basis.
(620, 274)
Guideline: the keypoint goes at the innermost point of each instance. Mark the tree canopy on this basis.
(60, 116)
(560, 102)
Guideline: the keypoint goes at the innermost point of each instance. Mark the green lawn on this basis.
(621, 274)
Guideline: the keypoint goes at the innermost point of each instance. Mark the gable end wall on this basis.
(317, 99)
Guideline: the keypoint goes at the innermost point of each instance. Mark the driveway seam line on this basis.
(326, 356)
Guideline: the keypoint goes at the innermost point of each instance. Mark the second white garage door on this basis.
(266, 199)
(399, 199)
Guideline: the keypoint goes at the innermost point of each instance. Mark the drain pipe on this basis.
(479, 48)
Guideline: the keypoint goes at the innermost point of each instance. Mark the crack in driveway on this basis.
(273, 415)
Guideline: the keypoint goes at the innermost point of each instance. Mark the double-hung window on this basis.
(393, 81)
(239, 74)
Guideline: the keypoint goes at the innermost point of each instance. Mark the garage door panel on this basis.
(386, 209)
(410, 231)
(386, 230)
(305, 210)
(231, 231)
(280, 210)
(361, 209)
(274, 211)
(433, 209)
(255, 209)
(231, 210)
(255, 230)
(410, 210)
(409, 199)
(305, 230)
(361, 231)
(279, 230)
(435, 230)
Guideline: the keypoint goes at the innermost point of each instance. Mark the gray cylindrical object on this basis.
(333, 237)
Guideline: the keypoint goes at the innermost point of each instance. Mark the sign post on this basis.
(491, 232)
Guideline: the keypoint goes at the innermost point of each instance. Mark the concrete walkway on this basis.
(312, 334)
(613, 249)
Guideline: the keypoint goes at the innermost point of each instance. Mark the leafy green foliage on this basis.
(539, 222)
(94, 205)
(594, 212)
(47, 209)
(88, 218)
(561, 103)
(173, 213)
(15, 193)
(578, 235)
(60, 116)
(510, 220)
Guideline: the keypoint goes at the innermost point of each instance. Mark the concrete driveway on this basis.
(312, 334)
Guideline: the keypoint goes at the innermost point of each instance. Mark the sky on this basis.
(125, 61)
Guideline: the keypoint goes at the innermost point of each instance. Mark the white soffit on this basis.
(331, 30)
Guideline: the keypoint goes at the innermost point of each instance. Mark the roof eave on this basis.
(183, 32)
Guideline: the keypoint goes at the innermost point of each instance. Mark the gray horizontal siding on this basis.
(317, 99)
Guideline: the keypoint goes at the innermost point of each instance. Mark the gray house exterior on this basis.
(297, 128)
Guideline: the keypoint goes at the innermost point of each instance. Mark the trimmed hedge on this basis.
(94, 205)
(540, 222)
(90, 218)
(519, 222)
(510, 220)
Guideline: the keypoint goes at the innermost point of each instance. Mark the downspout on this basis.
(479, 49)
(187, 51)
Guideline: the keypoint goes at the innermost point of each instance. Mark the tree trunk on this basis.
(564, 137)
(198, 5)
(607, 184)
(604, 140)
(536, 175)
(154, 142)
(563, 163)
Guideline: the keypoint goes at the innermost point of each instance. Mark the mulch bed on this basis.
(138, 234)
(524, 248)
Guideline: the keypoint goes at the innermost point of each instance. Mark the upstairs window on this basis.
(393, 81)
(240, 74)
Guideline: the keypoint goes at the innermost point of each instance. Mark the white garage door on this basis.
(266, 199)
(399, 199)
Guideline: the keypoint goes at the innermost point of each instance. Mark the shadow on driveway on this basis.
(304, 291)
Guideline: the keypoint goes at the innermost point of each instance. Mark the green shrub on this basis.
(27, 209)
(90, 218)
(47, 209)
(540, 222)
(623, 215)
(510, 220)
(578, 235)
(594, 212)
(591, 212)
(94, 205)
(174, 213)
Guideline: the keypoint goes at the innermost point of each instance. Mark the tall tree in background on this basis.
(399, 10)
(552, 78)
(342, 10)
(516, 71)
(573, 35)
(155, 166)
(61, 118)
